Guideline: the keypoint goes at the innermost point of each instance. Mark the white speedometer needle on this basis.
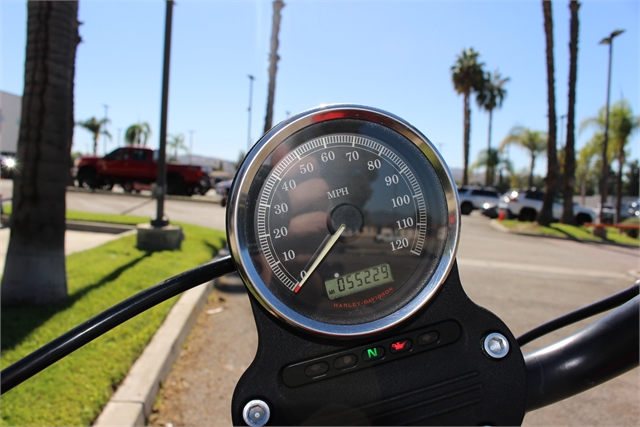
(323, 252)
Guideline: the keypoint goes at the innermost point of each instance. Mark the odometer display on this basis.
(327, 206)
(359, 281)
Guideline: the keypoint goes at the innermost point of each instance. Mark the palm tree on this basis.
(622, 124)
(569, 148)
(35, 269)
(97, 128)
(587, 172)
(545, 216)
(490, 97)
(175, 143)
(137, 134)
(488, 159)
(467, 76)
(535, 142)
(273, 63)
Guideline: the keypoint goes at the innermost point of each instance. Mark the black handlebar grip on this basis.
(600, 352)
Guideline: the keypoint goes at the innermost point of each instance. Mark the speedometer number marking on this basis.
(281, 208)
(352, 155)
(404, 223)
(374, 164)
(399, 244)
(401, 201)
(328, 156)
(391, 179)
(289, 185)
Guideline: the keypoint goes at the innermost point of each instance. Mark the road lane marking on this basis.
(537, 268)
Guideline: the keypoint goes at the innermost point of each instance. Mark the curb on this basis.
(496, 224)
(195, 198)
(96, 227)
(132, 403)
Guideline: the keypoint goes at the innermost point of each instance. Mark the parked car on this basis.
(129, 165)
(223, 188)
(475, 197)
(526, 204)
(607, 213)
(627, 210)
(633, 209)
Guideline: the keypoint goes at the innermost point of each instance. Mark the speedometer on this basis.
(343, 221)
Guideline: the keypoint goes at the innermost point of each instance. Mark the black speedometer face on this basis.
(343, 221)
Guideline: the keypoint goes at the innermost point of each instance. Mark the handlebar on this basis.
(601, 351)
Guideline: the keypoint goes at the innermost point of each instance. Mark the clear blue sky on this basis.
(392, 55)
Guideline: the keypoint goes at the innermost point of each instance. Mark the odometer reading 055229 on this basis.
(330, 206)
(358, 281)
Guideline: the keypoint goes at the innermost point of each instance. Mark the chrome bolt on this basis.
(496, 345)
(256, 413)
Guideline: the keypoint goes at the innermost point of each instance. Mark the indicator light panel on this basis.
(371, 355)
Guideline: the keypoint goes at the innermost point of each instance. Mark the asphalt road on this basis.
(524, 280)
(198, 210)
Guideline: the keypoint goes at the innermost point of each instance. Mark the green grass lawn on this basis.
(569, 231)
(96, 217)
(74, 390)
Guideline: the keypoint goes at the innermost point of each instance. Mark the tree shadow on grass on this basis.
(18, 322)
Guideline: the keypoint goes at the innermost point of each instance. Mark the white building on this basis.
(10, 108)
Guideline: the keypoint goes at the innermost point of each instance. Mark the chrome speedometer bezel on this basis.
(237, 207)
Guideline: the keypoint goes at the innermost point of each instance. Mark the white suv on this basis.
(476, 197)
(526, 204)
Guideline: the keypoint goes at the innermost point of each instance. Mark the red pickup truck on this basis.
(130, 165)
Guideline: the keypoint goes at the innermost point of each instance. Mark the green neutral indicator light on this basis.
(372, 352)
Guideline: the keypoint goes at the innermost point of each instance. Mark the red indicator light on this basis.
(397, 346)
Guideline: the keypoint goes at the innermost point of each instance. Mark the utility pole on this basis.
(251, 78)
(273, 63)
(159, 234)
(605, 163)
(104, 129)
(190, 144)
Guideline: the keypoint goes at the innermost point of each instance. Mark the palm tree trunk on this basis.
(35, 271)
(533, 165)
(546, 215)
(273, 63)
(488, 179)
(467, 133)
(569, 149)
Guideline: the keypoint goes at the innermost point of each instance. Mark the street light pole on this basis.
(249, 109)
(605, 163)
(104, 130)
(161, 183)
(190, 144)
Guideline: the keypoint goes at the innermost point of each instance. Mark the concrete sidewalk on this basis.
(75, 240)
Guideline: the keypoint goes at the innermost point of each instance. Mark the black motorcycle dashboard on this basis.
(343, 223)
